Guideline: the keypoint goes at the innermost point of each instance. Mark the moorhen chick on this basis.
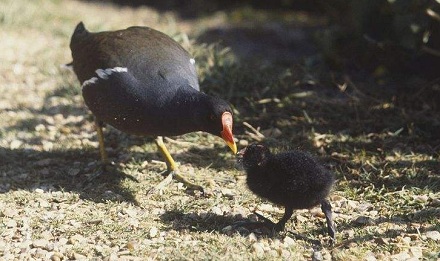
(142, 82)
(293, 179)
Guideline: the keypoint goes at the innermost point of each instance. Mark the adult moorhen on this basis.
(142, 82)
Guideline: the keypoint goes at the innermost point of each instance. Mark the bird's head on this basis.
(218, 121)
(254, 155)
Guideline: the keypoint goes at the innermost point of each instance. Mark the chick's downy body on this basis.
(293, 179)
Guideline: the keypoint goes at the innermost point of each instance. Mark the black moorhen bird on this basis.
(142, 82)
(292, 179)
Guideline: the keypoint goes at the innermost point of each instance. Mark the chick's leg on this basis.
(326, 207)
(171, 170)
(282, 223)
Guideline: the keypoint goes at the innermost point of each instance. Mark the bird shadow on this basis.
(66, 170)
(227, 225)
(73, 170)
(69, 169)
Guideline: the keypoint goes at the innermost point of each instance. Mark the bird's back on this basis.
(130, 76)
(147, 54)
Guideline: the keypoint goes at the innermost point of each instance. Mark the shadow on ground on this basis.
(193, 9)
(71, 169)
(208, 222)
(25, 169)
(288, 97)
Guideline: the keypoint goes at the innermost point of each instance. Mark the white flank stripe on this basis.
(103, 74)
(192, 61)
(90, 81)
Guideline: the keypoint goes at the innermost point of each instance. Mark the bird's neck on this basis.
(186, 108)
(188, 101)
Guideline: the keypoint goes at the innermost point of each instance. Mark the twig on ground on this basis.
(255, 134)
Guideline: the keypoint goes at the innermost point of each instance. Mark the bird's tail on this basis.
(80, 29)
(79, 33)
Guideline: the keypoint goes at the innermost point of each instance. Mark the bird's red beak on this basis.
(227, 131)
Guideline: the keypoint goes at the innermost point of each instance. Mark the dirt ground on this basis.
(380, 140)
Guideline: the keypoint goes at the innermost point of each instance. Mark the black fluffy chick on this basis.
(292, 179)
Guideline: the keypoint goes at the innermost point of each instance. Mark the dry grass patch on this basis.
(385, 155)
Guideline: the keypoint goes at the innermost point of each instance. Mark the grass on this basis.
(382, 146)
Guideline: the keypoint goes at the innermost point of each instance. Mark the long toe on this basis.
(174, 175)
(187, 183)
(250, 225)
(264, 219)
(92, 177)
(105, 168)
(279, 227)
(159, 187)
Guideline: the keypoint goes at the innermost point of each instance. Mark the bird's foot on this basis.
(251, 225)
(277, 227)
(159, 187)
(108, 170)
(170, 175)
(187, 183)
(262, 222)
(103, 168)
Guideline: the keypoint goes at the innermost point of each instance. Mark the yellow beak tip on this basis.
(233, 147)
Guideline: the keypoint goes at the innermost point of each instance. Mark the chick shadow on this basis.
(210, 222)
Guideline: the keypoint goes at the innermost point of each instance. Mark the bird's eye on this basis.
(212, 117)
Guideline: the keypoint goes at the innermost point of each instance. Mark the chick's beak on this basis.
(226, 133)
(240, 155)
(241, 152)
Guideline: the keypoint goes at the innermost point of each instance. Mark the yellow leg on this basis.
(106, 166)
(172, 169)
(102, 152)
(171, 164)
(104, 158)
